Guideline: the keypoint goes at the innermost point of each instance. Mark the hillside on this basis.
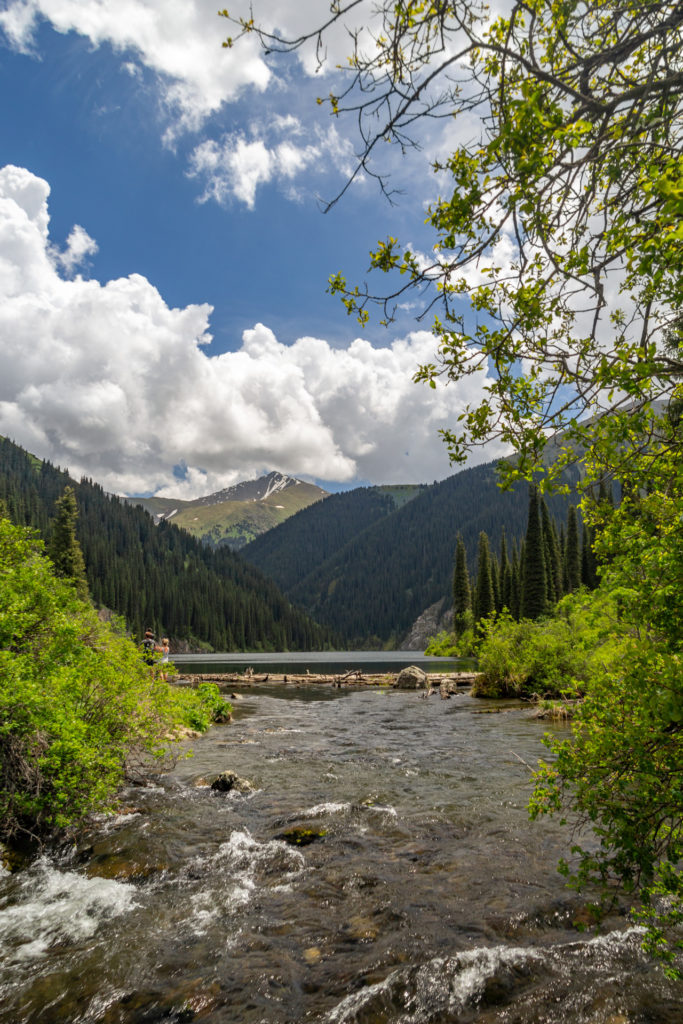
(159, 576)
(238, 514)
(370, 568)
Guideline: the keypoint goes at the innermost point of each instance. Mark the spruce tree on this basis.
(484, 602)
(534, 588)
(589, 575)
(462, 594)
(553, 561)
(64, 549)
(573, 553)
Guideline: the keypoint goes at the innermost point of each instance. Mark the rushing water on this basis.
(428, 896)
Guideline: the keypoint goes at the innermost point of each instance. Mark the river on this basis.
(427, 896)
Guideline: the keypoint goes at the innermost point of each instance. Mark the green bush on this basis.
(443, 645)
(79, 708)
(552, 657)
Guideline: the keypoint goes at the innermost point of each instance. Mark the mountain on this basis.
(158, 576)
(370, 568)
(237, 514)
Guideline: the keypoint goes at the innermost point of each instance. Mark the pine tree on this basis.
(64, 549)
(462, 594)
(573, 553)
(484, 603)
(534, 587)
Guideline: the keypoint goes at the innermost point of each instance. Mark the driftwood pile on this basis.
(354, 677)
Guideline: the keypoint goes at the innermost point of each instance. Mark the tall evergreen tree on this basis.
(462, 594)
(534, 587)
(505, 573)
(64, 549)
(551, 551)
(573, 552)
(515, 585)
(589, 575)
(484, 602)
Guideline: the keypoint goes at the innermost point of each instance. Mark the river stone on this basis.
(228, 781)
(411, 678)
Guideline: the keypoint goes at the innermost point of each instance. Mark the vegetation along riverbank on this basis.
(80, 710)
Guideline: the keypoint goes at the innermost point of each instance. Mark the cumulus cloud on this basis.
(197, 78)
(235, 167)
(79, 245)
(107, 380)
(180, 42)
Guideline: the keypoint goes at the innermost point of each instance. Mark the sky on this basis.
(164, 257)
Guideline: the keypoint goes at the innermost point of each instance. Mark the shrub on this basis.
(79, 708)
(548, 657)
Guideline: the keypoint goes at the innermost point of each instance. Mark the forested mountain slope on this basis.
(158, 576)
(237, 514)
(370, 569)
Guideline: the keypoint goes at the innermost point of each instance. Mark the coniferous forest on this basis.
(371, 583)
(158, 577)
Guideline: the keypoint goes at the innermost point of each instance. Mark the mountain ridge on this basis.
(236, 515)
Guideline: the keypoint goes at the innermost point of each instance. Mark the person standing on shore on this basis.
(148, 646)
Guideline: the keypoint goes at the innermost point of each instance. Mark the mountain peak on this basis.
(251, 490)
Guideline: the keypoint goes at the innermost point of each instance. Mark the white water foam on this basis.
(452, 985)
(58, 906)
(245, 867)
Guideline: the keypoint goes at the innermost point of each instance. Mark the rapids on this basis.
(426, 897)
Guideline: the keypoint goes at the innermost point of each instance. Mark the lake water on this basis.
(427, 896)
(324, 662)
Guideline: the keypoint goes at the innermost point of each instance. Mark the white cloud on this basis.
(235, 167)
(107, 380)
(180, 42)
(79, 245)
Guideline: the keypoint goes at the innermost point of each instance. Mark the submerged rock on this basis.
(411, 678)
(228, 781)
(300, 835)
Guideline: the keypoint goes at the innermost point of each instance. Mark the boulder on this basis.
(226, 782)
(411, 678)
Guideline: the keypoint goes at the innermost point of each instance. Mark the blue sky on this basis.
(194, 175)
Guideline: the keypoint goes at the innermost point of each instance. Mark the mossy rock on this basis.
(301, 836)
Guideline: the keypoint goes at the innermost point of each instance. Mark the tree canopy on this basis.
(559, 220)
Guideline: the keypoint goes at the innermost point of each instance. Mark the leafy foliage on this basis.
(79, 708)
(575, 175)
(622, 768)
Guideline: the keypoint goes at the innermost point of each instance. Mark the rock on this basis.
(432, 621)
(299, 835)
(411, 678)
(228, 781)
(312, 955)
(362, 929)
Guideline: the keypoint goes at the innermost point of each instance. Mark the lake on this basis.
(324, 662)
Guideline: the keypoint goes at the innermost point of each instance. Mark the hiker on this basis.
(148, 646)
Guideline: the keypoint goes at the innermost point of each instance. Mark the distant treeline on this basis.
(368, 569)
(158, 576)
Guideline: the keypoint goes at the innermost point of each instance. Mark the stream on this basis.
(425, 897)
